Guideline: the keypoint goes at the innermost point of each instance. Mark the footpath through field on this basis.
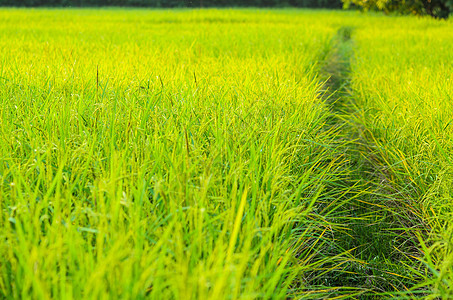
(224, 154)
(378, 235)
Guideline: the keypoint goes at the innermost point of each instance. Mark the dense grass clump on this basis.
(163, 154)
(403, 86)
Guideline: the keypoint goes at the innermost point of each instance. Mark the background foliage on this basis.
(177, 3)
(435, 8)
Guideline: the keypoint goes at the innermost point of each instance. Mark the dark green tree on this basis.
(434, 8)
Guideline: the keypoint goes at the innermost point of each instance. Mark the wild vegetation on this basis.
(215, 154)
(435, 8)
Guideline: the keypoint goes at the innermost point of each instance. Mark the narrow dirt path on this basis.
(376, 234)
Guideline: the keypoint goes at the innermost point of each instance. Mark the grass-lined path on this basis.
(195, 154)
(376, 229)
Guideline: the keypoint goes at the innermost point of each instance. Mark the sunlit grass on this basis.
(403, 86)
(163, 154)
(196, 154)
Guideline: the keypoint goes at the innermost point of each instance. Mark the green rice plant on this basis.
(402, 85)
(166, 154)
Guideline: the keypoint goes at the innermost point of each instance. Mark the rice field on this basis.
(224, 154)
(403, 86)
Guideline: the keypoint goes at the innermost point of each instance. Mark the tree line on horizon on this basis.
(440, 9)
(176, 3)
